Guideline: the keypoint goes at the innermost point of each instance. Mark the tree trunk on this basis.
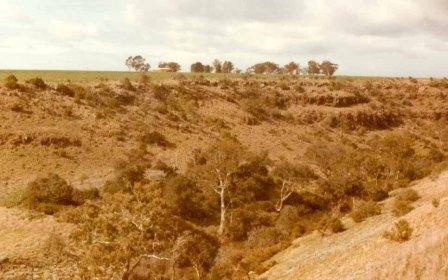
(223, 212)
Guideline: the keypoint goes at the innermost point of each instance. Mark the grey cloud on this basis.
(403, 18)
(220, 10)
(387, 36)
(247, 10)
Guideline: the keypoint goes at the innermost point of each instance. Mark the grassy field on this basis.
(57, 76)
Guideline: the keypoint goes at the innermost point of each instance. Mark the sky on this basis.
(365, 37)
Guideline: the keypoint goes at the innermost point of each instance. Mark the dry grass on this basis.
(401, 232)
(364, 209)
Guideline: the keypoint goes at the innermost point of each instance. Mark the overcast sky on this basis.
(366, 37)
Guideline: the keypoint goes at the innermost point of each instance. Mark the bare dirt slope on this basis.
(362, 253)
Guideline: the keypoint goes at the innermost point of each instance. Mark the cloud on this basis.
(11, 11)
(373, 37)
(218, 10)
(387, 18)
(72, 31)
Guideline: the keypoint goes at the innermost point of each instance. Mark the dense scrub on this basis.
(227, 196)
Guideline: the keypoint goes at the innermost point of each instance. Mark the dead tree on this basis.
(293, 178)
(220, 189)
(285, 193)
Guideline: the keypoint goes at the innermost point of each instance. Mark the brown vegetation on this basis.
(207, 178)
(401, 232)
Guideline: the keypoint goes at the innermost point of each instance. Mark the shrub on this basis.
(80, 93)
(408, 195)
(54, 247)
(224, 267)
(18, 108)
(435, 202)
(401, 232)
(162, 108)
(37, 82)
(241, 221)
(65, 90)
(256, 109)
(436, 155)
(50, 189)
(331, 224)
(81, 196)
(402, 203)
(287, 218)
(413, 80)
(127, 85)
(115, 186)
(11, 78)
(157, 138)
(264, 237)
(299, 89)
(11, 82)
(60, 141)
(161, 92)
(48, 194)
(130, 172)
(144, 79)
(253, 260)
(198, 248)
(186, 198)
(365, 209)
(401, 207)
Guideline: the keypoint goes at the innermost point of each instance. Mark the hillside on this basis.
(136, 164)
(361, 252)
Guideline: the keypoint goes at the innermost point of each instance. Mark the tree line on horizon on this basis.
(326, 67)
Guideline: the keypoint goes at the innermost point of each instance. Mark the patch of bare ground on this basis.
(361, 252)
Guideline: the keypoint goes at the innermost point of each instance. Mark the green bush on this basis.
(401, 232)
(365, 209)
